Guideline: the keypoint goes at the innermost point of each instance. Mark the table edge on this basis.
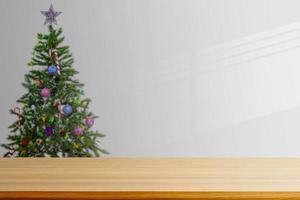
(132, 195)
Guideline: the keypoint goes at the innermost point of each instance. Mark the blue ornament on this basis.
(52, 70)
(67, 109)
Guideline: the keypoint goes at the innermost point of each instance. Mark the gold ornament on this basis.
(37, 82)
(43, 119)
(77, 146)
(67, 135)
(23, 153)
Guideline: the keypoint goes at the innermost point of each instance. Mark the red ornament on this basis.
(25, 142)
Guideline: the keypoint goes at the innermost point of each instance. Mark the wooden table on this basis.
(150, 178)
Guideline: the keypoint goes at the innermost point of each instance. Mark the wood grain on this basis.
(149, 195)
(150, 178)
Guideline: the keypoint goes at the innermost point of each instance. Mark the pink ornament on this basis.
(78, 131)
(45, 93)
(89, 121)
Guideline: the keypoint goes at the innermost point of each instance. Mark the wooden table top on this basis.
(149, 178)
(150, 174)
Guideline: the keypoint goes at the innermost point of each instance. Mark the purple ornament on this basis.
(78, 131)
(45, 93)
(48, 131)
(89, 121)
(50, 15)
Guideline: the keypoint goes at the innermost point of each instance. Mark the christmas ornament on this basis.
(43, 119)
(38, 141)
(77, 146)
(53, 53)
(67, 109)
(45, 93)
(57, 102)
(25, 141)
(18, 111)
(67, 135)
(11, 149)
(50, 15)
(60, 108)
(52, 70)
(78, 131)
(57, 115)
(23, 153)
(89, 121)
(48, 131)
(37, 82)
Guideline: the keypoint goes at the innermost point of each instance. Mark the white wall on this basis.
(173, 77)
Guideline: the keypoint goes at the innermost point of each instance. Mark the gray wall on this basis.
(173, 77)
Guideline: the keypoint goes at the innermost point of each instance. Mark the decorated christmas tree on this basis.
(53, 119)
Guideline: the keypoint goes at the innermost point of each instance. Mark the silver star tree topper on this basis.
(50, 15)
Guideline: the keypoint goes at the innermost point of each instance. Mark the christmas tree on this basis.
(53, 119)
